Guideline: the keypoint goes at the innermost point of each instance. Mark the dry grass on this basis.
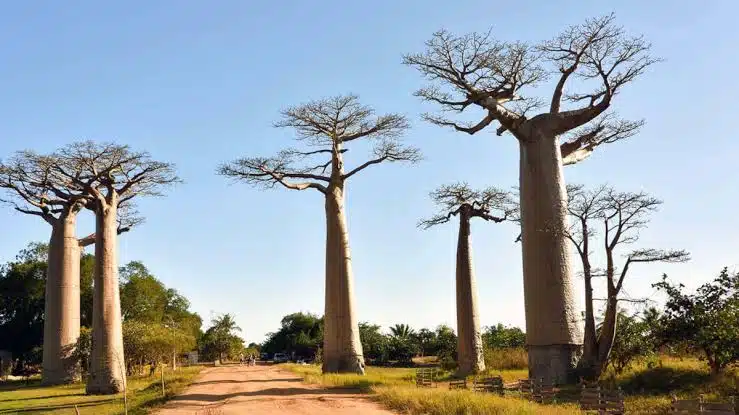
(143, 393)
(412, 400)
(648, 386)
(395, 388)
(506, 359)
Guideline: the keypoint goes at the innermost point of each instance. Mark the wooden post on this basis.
(163, 394)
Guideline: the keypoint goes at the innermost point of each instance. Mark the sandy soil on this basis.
(264, 389)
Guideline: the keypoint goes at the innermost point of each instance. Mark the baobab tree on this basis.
(112, 175)
(328, 126)
(34, 189)
(619, 216)
(478, 71)
(460, 200)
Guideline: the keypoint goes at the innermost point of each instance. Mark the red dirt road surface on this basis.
(264, 389)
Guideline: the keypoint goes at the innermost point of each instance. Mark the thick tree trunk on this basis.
(62, 304)
(553, 333)
(342, 348)
(469, 338)
(107, 367)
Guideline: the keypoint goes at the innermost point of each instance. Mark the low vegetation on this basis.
(395, 388)
(143, 393)
(648, 385)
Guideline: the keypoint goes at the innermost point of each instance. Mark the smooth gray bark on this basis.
(470, 357)
(553, 331)
(107, 366)
(62, 303)
(342, 348)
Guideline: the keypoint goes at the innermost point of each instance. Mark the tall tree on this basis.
(328, 126)
(460, 200)
(36, 187)
(22, 284)
(402, 330)
(222, 333)
(112, 175)
(620, 216)
(476, 70)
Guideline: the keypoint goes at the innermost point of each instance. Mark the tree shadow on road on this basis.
(204, 397)
(216, 382)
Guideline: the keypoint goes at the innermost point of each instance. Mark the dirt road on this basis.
(264, 389)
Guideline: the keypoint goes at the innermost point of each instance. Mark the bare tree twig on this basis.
(451, 198)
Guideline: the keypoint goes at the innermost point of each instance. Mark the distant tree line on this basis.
(158, 325)
(301, 335)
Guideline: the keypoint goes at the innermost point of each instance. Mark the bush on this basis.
(502, 337)
(506, 359)
(402, 349)
(448, 363)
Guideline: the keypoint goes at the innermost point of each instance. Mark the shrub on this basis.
(506, 359)
(402, 349)
(502, 337)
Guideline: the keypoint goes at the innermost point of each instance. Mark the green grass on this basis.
(650, 384)
(648, 387)
(143, 393)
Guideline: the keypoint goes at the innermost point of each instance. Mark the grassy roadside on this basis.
(143, 393)
(648, 386)
(395, 389)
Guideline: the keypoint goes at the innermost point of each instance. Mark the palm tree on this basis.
(222, 328)
(401, 330)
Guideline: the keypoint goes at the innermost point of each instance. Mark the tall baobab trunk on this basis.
(342, 348)
(469, 340)
(107, 362)
(62, 303)
(553, 333)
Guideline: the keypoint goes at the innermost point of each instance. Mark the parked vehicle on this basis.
(280, 358)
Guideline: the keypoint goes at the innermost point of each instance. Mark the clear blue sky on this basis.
(198, 83)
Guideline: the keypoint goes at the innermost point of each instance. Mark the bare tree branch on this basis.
(329, 123)
(266, 172)
(476, 69)
(597, 50)
(110, 170)
(34, 189)
(651, 255)
(340, 119)
(579, 144)
(452, 198)
(391, 151)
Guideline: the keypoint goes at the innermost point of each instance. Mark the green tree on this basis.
(374, 343)
(426, 340)
(22, 287)
(87, 267)
(502, 337)
(301, 333)
(446, 342)
(219, 339)
(83, 348)
(708, 319)
(402, 349)
(633, 340)
(401, 330)
(143, 297)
